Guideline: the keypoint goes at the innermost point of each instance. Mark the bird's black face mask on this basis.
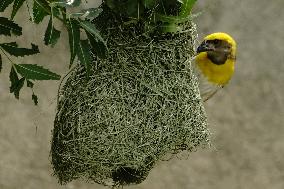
(217, 50)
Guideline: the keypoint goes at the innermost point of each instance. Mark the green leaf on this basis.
(0, 63)
(17, 87)
(35, 72)
(35, 99)
(55, 12)
(93, 13)
(96, 40)
(63, 12)
(91, 28)
(16, 84)
(13, 76)
(170, 19)
(4, 4)
(90, 13)
(59, 3)
(40, 10)
(8, 26)
(12, 49)
(99, 47)
(84, 55)
(51, 34)
(110, 3)
(149, 3)
(129, 8)
(74, 38)
(30, 84)
(186, 7)
(65, 3)
(16, 6)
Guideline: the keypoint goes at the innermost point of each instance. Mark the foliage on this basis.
(168, 12)
(55, 10)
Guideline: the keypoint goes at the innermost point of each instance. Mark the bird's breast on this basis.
(217, 74)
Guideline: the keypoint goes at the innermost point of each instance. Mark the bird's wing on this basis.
(207, 89)
(207, 95)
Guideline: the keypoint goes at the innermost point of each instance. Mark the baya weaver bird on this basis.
(215, 62)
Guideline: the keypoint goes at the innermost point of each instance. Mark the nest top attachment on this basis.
(138, 105)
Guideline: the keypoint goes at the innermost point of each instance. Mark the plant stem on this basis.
(47, 10)
(7, 57)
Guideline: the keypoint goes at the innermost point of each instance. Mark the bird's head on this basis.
(219, 47)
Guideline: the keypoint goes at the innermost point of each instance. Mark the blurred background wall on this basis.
(245, 118)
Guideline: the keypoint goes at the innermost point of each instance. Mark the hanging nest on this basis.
(138, 105)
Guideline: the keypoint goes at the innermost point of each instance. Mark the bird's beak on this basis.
(204, 46)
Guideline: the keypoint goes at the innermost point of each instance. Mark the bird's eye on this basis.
(215, 41)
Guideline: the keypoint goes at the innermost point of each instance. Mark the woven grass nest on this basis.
(138, 105)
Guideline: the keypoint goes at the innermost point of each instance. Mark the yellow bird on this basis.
(215, 63)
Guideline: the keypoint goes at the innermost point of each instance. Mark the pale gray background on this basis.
(246, 118)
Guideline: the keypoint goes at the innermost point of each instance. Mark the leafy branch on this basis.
(56, 10)
(169, 13)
